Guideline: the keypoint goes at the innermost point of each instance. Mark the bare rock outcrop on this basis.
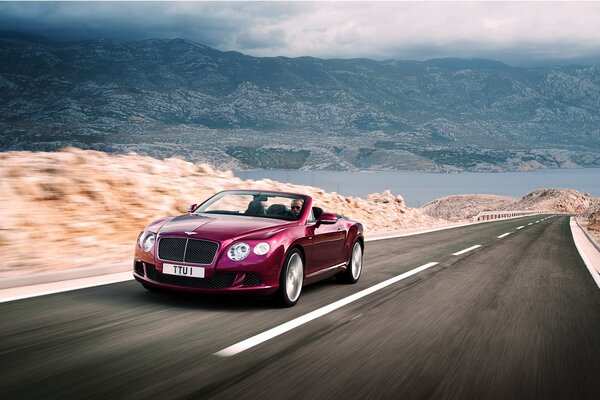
(466, 206)
(592, 214)
(555, 200)
(592, 220)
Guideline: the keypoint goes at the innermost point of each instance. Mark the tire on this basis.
(291, 279)
(352, 273)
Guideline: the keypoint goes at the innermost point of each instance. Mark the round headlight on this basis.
(148, 243)
(140, 237)
(261, 248)
(238, 251)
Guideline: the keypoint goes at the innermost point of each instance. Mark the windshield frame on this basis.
(255, 194)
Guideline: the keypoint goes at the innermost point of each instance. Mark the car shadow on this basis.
(138, 296)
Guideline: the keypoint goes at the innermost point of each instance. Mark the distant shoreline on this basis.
(419, 188)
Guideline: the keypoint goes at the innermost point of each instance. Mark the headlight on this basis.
(148, 243)
(261, 248)
(140, 237)
(238, 251)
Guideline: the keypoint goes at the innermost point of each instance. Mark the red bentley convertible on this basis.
(247, 241)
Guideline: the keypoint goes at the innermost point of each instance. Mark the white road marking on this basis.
(288, 326)
(43, 289)
(504, 235)
(529, 224)
(520, 227)
(458, 253)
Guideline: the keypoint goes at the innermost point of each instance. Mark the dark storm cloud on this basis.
(518, 33)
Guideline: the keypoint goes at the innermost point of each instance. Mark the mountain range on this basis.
(175, 97)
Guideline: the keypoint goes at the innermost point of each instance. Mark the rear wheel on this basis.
(291, 279)
(354, 268)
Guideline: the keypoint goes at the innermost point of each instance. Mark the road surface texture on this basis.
(516, 318)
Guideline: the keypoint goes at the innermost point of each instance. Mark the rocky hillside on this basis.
(77, 208)
(179, 98)
(592, 220)
(593, 215)
(555, 200)
(465, 207)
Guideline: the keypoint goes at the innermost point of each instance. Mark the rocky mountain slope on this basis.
(169, 98)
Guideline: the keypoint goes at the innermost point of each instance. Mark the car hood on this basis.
(219, 227)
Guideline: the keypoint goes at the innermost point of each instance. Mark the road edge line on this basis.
(595, 274)
(44, 289)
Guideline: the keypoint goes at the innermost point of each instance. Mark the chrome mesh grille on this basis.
(200, 251)
(193, 251)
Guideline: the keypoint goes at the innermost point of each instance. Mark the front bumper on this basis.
(219, 282)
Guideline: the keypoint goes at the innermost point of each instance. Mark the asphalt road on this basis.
(518, 317)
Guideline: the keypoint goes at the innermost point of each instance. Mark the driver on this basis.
(296, 206)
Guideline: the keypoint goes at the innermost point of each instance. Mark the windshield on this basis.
(255, 204)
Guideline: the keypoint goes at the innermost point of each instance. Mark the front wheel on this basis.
(354, 268)
(291, 279)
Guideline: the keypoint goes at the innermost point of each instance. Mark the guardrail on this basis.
(492, 215)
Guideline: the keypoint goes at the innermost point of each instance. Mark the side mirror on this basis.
(192, 208)
(327, 219)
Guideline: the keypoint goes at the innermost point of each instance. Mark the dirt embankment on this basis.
(78, 208)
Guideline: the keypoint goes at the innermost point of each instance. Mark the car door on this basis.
(328, 243)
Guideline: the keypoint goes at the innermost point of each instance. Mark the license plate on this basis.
(183, 270)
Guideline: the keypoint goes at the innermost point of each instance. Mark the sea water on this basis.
(418, 188)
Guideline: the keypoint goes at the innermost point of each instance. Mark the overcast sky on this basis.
(532, 33)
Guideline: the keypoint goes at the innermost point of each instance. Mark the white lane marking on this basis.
(43, 289)
(537, 222)
(458, 253)
(520, 227)
(504, 235)
(529, 224)
(288, 326)
(443, 228)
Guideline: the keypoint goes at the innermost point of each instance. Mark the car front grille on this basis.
(218, 281)
(193, 251)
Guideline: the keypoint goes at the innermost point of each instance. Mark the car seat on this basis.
(277, 209)
(255, 208)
